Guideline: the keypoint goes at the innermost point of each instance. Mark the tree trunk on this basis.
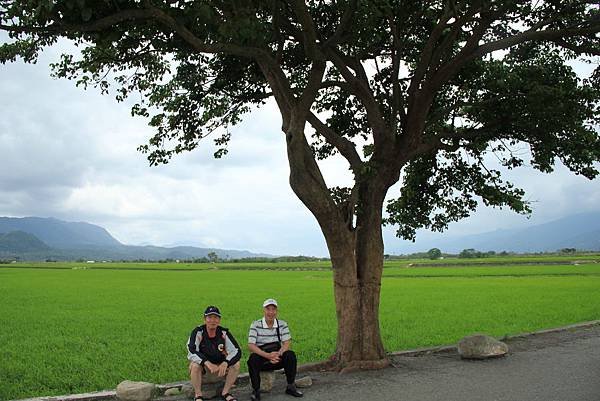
(356, 254)
(359, 344)
(357, 269)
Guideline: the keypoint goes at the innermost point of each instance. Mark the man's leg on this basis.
(255, 363)
(196, 378)
(232, 374)
(290, 364)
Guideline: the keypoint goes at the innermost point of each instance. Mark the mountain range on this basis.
(36, 238)
(579, 231)
(60, 234)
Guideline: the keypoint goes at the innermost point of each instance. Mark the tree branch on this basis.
(345, 23)
(528, 36)
(360, 88)
(309, 31)
(336, 84)
(455, 136)
(448, 69)
(578, 49)
(452, 35)
(202, 47)
(397, 107)
(149, 13)
(423, 63)
(94, 26)
(281, 88)
(312, 88)
(346, 148)
(308, 184)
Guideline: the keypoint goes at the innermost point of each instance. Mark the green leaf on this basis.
(86, 14)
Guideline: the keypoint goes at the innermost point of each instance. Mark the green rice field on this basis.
(71, 328)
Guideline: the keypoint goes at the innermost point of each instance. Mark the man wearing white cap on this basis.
(269, 342)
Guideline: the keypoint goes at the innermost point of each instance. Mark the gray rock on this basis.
(172, 391)
(303, 382)
(480, 346)
(135, 391)
(188, 390)
(208, 391)
(211, 378)
(266, 381)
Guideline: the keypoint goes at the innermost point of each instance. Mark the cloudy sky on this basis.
(71, 154)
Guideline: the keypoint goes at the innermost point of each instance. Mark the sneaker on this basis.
(255, 396)
(293, 391)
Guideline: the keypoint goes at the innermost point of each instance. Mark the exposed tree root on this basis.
(353, 366)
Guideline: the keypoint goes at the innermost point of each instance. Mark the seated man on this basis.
(212, 350)
(269, 342)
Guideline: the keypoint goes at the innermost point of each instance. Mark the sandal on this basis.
(224, 397)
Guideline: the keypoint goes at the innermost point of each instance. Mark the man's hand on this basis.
(212, 368)
(222, 369)
(273, 357)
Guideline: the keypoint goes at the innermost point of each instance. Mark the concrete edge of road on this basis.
(309, 367)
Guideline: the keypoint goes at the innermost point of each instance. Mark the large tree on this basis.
(417, 92)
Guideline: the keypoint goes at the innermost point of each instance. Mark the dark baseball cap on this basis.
(212, 310)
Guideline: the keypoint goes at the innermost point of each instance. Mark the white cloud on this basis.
(71, 154)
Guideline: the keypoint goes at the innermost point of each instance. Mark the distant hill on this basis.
(35, 238)
(580, 231)
(60, 234)
(20, 241)
(576, 231)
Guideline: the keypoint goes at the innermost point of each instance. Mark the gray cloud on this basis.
(71, 154)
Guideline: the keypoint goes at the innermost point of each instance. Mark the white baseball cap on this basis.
(269, 301)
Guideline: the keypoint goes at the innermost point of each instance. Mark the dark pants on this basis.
(257, 363)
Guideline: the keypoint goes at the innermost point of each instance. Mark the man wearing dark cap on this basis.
(212, 351)
(269, 342)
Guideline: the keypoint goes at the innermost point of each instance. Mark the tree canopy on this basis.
(434, 253)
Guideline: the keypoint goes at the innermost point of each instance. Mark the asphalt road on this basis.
(562, 366)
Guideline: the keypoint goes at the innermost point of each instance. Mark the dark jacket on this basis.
(221, 348)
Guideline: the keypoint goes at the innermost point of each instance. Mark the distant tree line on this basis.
(214, 258)
(280, 259)
(471, 253)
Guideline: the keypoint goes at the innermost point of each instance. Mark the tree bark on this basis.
(359, 344)
(357, 261)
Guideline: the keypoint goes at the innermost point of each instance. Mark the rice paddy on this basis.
(73, 329)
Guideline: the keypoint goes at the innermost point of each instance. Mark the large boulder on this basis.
(480, 346)
(135, 391)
